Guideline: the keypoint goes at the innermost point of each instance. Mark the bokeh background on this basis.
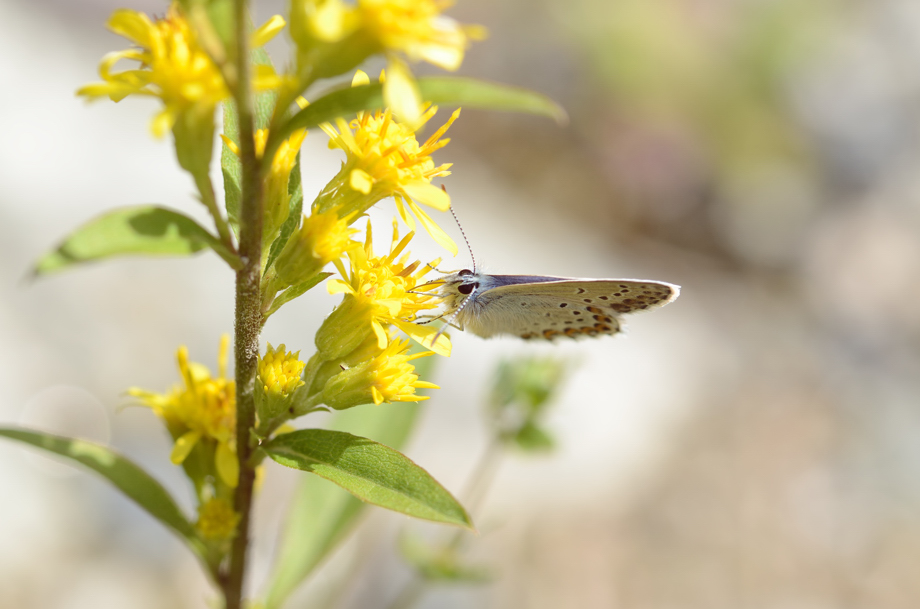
(753, 445)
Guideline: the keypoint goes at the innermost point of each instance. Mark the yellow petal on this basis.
(225, 461)
(361, 181)
(436, 232)
(162, 122)
(382, 337)
(267, 31)
(378, 397)
(361, 78)
(230, 144)
(401, 94)
(337, 286)
(132, 25)
(423, 335)
(427, 194)
(443, 56)
(183, 446)
(329, 21)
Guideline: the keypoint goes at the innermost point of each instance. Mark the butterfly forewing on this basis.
(552, 307)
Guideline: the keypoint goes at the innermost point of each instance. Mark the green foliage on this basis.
(467, 92)
(295, 291)
(127, 477)
(372, 472)
(230, 166)
(321, 515)
(295, 190)
(442, 564)
(520, 394)
(146, 230)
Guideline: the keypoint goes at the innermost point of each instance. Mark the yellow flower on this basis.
(322, 238)
(383, 158)
(173, 66)
(202, 409)
(378, 291)
(217, 520)
(280, 370)
(419, 30)
(388, 377)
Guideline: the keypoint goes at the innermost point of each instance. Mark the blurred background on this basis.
(753, 445)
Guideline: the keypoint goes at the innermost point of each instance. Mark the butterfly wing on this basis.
(552, 307)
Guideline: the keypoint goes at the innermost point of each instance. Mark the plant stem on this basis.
(248, 304)
(206, 190)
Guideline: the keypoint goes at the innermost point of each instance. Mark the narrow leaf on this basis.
(295, 190)
(120, 471)
(144, 230)
(370, 471)
(230, 166)
(295, 291)
(321, 514)
(466, 92)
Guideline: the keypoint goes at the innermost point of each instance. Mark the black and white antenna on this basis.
(460, 226)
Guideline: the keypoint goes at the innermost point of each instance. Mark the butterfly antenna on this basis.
(460, 226)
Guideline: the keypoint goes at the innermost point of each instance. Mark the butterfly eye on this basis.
(467, 288)
(465, 272)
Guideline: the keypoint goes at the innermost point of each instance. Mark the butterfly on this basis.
(545, 308)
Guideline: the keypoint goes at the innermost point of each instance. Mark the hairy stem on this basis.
(248, 304)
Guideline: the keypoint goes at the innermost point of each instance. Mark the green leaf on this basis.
(230, 166)
(466, 92)
(265, 101)
(144, 230)
(370, 471)
(120, 471)
(473, 93)
(321, 514)
(295, 190)
(293, 292)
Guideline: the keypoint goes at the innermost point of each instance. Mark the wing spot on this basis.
(563, 305)
(580, 319)
(581, 291)
(588, 300)
(568, 323)
(576, 312)
(595, 310)
(549, 334)
(604, 298)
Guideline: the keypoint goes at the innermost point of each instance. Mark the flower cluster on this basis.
(200, 415)
(173, 67)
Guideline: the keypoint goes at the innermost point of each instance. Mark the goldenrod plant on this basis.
(203, 56)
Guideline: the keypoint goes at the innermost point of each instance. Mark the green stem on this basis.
(206, 190)
(248, 304)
